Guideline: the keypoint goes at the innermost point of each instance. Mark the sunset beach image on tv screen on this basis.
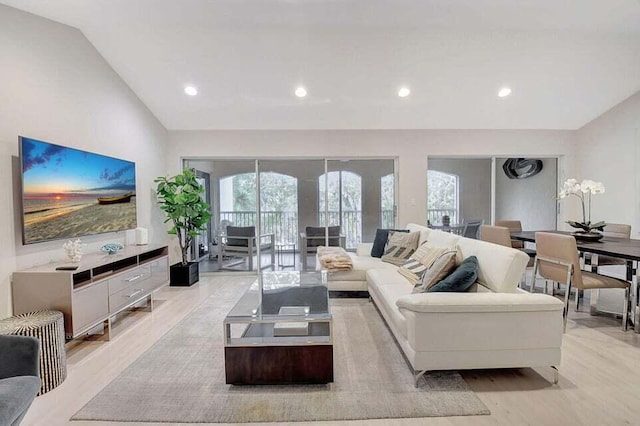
(69, 193)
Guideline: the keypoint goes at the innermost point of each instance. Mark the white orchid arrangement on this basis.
(583, 190)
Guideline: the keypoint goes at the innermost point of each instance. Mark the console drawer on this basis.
(123, 281)
(134, 291)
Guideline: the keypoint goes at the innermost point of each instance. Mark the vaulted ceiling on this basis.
(566, 61)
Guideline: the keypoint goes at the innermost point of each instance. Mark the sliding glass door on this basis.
(274, 213)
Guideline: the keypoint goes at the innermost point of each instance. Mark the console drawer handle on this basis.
(129, 296)
(135, 277)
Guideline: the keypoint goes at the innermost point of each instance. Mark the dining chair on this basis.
(614, 230)
(496, 235)
(516, 226)
(471, 228)
(558, 261)
(502, 236)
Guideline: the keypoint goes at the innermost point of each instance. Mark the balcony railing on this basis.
(284, 224)
(435, 215)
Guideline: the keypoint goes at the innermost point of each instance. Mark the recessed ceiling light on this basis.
(191, 90)
(404, 92)
(301, 92)
(504, 92)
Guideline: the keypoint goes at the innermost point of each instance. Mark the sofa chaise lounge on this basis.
(493, 325)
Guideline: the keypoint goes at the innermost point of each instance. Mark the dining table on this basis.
(622, 248)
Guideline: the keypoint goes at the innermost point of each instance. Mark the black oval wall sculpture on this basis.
(521, 168)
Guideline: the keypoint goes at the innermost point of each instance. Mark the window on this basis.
(344, 196)
(442, 196)
(278, 203)
(387, 201)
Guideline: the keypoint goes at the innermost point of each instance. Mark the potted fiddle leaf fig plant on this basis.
(180, 197)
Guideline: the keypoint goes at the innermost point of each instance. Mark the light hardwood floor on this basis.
(599, 375)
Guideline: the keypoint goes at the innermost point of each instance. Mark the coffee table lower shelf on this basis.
(274, 365)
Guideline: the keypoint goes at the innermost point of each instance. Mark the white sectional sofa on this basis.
(494, 325)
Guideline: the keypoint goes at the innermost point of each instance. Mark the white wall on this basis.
(608, 150)
(56, 87)
(531, 200)
(411, 147)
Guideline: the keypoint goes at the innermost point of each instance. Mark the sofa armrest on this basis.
(364, 249)
(19, 356)
(478, 302)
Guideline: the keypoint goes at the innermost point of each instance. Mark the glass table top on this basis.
(284, 296)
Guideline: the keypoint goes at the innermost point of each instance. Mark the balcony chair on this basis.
(558, 261)
(19, 376)
(314, 237)
(471, 228)
(241, 241)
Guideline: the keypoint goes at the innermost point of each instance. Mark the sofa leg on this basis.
(417, 375)
(556, 374)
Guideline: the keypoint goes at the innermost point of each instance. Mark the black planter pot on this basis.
(184, 275)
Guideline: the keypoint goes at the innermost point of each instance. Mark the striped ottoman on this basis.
(48, 327)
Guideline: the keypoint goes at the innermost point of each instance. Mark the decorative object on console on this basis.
(400, 247)
(521, 168)
(180, 197)
(142, 236)
(74, 249)
(588, 231)
(460, 279)
(111, 248)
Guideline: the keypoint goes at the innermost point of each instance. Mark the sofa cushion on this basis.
(380, 241)
(439, 269)
(461, 279)
(424, 231)
(443, 239)
(400, 247)
(389, 286)
(499, 268)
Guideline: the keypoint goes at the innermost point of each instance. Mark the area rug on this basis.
(181, 377)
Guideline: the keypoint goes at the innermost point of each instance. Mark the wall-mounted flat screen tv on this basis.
(69, 193)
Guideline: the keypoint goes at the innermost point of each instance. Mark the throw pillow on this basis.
(438, 271)
(420, 261)
(379, 243)
(461, 279)
(400, 247)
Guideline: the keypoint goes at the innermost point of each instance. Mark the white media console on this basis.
(102, 286)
